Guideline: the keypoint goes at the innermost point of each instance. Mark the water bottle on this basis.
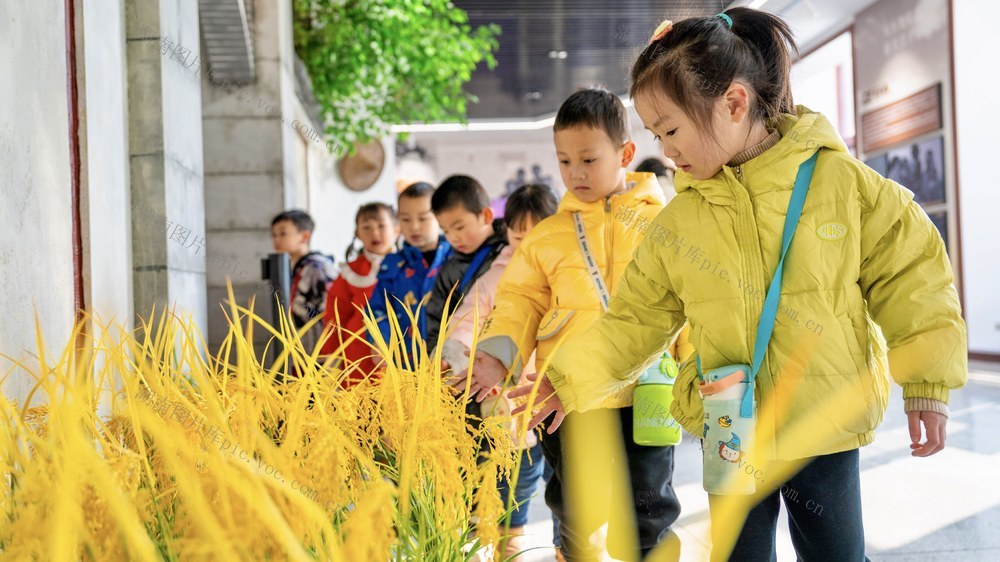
(652, 424)
(728, 437)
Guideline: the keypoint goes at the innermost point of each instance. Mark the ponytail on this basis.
(771, 41)
(352, 250)
(695, 61)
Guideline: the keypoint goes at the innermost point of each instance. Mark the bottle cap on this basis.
(663, 371)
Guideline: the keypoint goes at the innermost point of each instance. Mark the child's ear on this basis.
(628, 153)
(306, 236)
(488, 215)
(737, 100)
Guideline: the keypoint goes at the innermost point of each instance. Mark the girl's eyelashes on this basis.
(669, 133)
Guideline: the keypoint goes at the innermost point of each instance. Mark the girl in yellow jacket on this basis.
(714, 91)
(548, 292)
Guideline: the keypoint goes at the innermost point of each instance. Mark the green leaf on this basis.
(376, 63)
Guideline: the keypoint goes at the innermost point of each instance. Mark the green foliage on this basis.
(377, 63)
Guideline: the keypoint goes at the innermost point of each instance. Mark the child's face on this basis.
(378, 234)
(466, 231)
(591, 164)
(690, 146)
(516, 233)
(417, 222)
(287, 238)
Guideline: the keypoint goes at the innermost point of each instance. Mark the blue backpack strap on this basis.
(770, 312)
(477, 262)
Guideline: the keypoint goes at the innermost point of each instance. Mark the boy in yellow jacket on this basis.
(548, 292)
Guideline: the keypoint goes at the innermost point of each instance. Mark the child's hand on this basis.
(934, 429)
(546, 397)
(487, 373)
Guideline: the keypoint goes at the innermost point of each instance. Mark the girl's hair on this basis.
(534, 201)
(367, 211)
(697, 60)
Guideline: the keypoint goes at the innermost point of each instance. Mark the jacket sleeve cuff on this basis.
(925, 405)
(505, 350)
(930, 390)
(568, 398)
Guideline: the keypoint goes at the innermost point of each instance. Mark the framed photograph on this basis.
(880, 164)
(920, 168)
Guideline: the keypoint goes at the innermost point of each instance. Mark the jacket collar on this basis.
(801, 135)
(414, 255)
(641, 187)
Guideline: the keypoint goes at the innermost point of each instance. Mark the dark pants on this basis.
(824, 515)
(650, 471)
(547, 473)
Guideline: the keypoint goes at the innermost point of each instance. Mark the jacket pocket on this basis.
(553, 321)
(852, 341)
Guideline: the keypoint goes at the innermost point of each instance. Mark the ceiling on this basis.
(600, 38)
(551, 48)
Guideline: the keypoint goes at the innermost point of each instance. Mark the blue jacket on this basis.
(405, 278)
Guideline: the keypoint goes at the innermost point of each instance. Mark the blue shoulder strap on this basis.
(770, 312)
(477, 262)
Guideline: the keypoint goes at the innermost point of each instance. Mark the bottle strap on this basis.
(765, 327)
(588, 259)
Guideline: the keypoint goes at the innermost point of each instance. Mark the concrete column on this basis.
(166, 158)
(247, 177)
(104, 153)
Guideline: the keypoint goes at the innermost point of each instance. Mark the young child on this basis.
(407, 277)
(715, 92)
(462, 208)
(524, 209)
(291, 233)
(549, 292)
(377, 229)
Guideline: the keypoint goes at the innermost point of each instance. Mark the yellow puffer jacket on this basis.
(547, 294)
(864, 256)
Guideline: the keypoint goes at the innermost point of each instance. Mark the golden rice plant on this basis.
(147, 446)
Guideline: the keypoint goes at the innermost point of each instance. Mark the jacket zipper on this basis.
(750, 249)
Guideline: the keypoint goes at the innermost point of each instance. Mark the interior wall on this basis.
(824, 82)
(36, 255)
(976, 41)
(332, 205)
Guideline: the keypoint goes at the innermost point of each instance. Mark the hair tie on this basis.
(661, 30)
(725, 18)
